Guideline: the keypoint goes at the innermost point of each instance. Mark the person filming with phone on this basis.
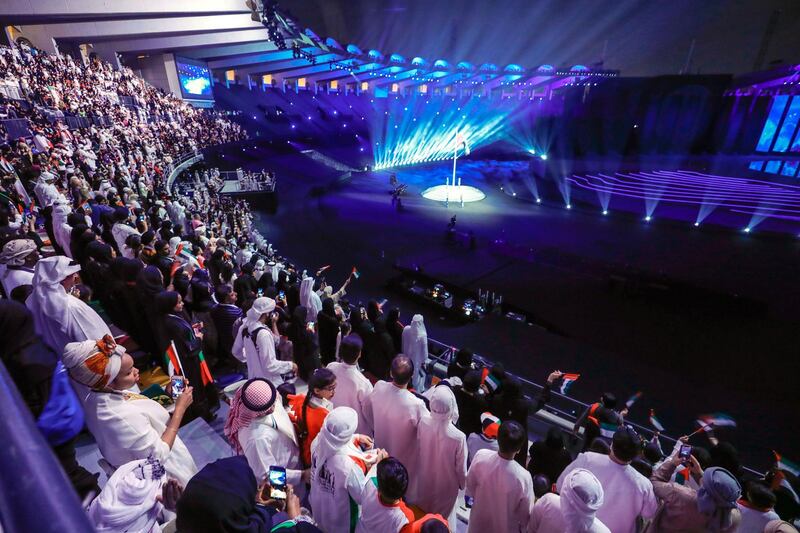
(711, 508)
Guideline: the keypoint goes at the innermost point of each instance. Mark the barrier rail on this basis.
(181, 163)
(16, 127)
(35, 494)
(565, 408)
(233, 175)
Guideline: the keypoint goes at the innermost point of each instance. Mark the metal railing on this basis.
(233, 175)
(179, 164)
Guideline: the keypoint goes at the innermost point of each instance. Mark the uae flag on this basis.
(173, 360)
(205, 372)
(682, 476)
(355, 273)
(567, 381)
(607, 430)
(784, 464)
(717, 420)
(492, 382)
(655, 422)
(632, 400)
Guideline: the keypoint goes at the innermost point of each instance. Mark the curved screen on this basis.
(195, 79)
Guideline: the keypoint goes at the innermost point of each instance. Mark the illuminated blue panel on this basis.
(789, 125)
(790, 167)
(772, 167)
(195, 79)
(771, 124)
(756, 165)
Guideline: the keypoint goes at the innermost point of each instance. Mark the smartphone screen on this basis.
(277, 481)
(686, 451)
(178, 385)
(282, 295)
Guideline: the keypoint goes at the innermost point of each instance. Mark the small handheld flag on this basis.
(355, 273)
(567, 381)
(717, 420)
(607, 429)
(173, 360)
(655, 422)
(323, 269)
(784, 464)
(205, 372)
(632, 399)
(492, 382)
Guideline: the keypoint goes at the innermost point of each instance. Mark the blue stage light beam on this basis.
(420, 130)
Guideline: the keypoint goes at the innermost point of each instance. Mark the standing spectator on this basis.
(395, 329)
(441, 459)
(502, 490)
(471, 403)
(255, 343)
(757, 509)
(353, 388)
(328, 327)
(628, 494)
(574, 510)
(224, 314)
(486, 439)
(599, 419)
(382, 507)
(394, 414)
(712, 508)
(549, 456)
(461, 365)
(308, 411)
(415, 346)
(338, 472)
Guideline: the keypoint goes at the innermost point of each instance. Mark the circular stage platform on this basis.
(443, 193)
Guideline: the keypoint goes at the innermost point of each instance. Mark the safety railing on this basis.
(565, 408)
(179, 164)
(232, 175)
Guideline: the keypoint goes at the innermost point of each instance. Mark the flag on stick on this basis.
(655, 422)
(567, 381)
(717, 420)
(355, 273)
(173, 360)
(784, 464)
(632, 399)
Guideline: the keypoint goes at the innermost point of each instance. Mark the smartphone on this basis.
(310, 326)
(277, 482)
(282, 295)
(197, 327)
(468, 501)
(178, 386)
(685, 452)
(260, 293)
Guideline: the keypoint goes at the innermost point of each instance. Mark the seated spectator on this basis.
(16, 264)
(574, 510)
(224, 496)
(628, 494)
(308, 411)
(756, 507)
(441, 458)
(549, 456)
(127, 426)
(501, 488)
(134, 498)
(382, 506)
(486, 439)
(353, 388)
(259, 428)
(338, 472)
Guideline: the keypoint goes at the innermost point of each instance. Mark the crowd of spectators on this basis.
(120, 284)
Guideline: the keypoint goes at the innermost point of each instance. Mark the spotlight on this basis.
(648, 218)
(605, 211)
(538, 200)
(543, 157)
(569, 206)
(513, 194)
(747, 229)
(696, 224)
(531, 151)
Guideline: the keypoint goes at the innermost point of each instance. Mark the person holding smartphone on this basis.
(256, 341)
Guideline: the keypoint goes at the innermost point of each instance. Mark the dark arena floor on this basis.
(700, 319)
